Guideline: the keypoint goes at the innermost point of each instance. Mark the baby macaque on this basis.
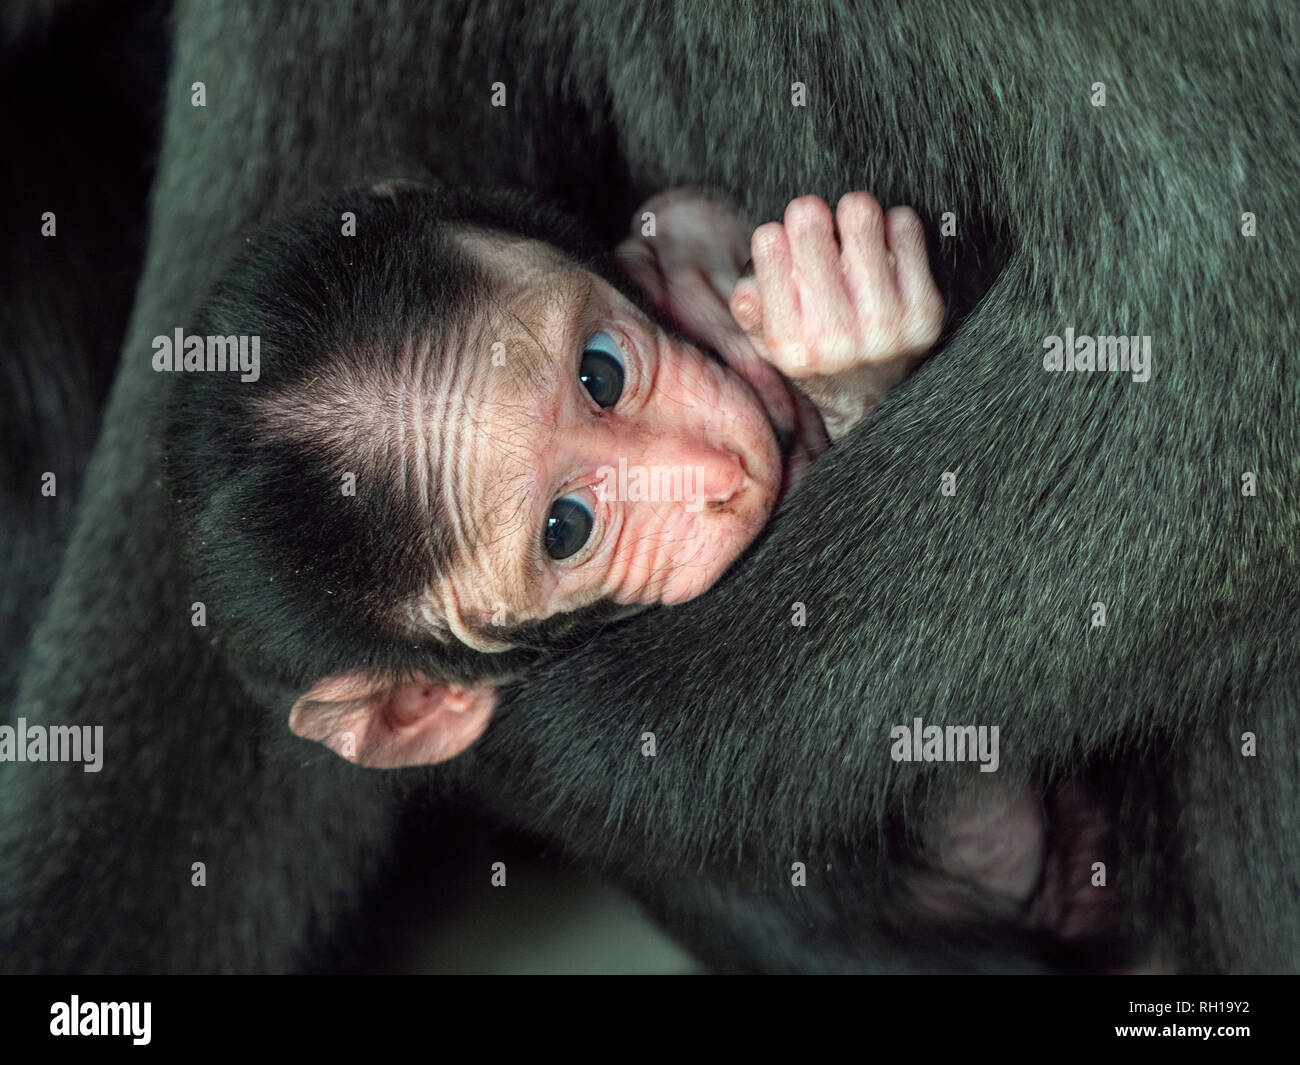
(470, 432)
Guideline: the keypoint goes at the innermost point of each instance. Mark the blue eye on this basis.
(568, 527)
(601, 370)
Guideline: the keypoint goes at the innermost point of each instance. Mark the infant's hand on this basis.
(698, 240)
(689, 267)
(845, 319)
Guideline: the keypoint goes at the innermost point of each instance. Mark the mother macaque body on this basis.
(476, 372)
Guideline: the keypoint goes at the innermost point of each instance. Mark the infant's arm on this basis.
(844, 319)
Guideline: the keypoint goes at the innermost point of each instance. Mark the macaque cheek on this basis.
(691, 579)
(701, 405)
(683, 559)
(703, 475)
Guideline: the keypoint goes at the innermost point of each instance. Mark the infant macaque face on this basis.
(600, 459)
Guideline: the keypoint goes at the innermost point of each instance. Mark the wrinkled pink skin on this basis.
(690, 268)
(502, 445)
(839, 311)
(502, 439)
(679, 411)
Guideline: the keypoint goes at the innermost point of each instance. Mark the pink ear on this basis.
(382, 725)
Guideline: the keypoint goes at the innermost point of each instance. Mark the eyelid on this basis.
(605, 331)
(588, 321)
(592, 319)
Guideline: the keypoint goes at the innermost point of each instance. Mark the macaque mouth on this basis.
(796, 425)
(799, 444)
(793, 465)
(784, 439)
(787, 482)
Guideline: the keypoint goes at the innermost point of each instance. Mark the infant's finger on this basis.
(641, 264)
(723, 281)
(868, 265)
(810, 229)
(921, 299)
(747, 305)
(906, 239)
(773, 266)
(738, 244)
(699, 312)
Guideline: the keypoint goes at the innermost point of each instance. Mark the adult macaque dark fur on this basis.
(773, 740)
(77, 84)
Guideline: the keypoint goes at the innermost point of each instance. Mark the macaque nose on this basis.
(721, 479)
